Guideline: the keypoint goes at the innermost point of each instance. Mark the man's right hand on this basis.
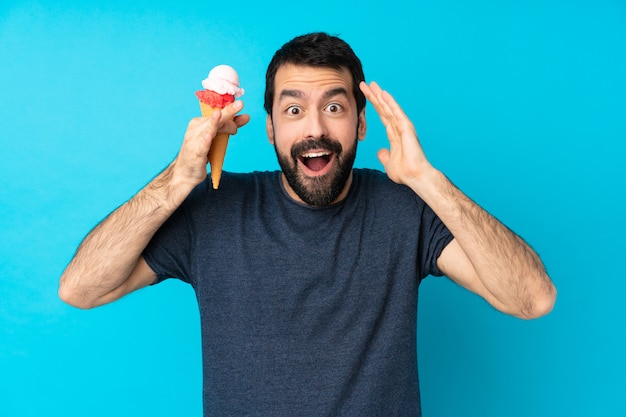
(189, 167)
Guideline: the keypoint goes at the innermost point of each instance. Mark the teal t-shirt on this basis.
(304, 311)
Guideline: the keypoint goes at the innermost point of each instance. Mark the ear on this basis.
(269, 128)
(362, 126)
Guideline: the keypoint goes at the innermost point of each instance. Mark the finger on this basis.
(229, 112)
(394, 118)
(393, 107)
(202, 130)
(384, 100)
(211, 125)
(374, 94)
(229, 128)
(197, 141)
(232, 126)
(381, 100)
(242, 120)
(383, 156)
(200, 126)
(370, 94)
(367, 91)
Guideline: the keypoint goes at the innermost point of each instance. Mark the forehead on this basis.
(309, 79)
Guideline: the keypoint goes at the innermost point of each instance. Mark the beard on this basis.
(320, 190)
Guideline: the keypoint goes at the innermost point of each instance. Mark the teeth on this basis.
(315, 154)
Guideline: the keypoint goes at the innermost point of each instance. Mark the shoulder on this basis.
(376, 185)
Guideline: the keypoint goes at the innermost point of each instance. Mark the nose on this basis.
(315, 125)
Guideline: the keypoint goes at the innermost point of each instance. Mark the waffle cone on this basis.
(217, 150)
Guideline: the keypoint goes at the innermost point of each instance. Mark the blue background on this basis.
(521, 104)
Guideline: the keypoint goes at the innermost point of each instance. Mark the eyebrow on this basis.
(290, 93)
(339, 91)
(328, 94)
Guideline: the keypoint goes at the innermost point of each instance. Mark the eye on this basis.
(334, 108)
(293, 110)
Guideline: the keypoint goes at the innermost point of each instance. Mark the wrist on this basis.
(437, 191)
(167, 190)
(443, 197)
(427, 183)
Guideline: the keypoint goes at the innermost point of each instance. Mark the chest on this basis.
(304, 271)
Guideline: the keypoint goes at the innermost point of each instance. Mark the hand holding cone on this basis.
(217, 152)
(221, 88)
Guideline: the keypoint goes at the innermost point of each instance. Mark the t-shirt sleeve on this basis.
(168, 251)
(434, 237)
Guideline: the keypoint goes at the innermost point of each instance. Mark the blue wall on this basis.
(522, 104)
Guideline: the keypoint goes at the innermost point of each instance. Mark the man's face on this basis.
(314, 129)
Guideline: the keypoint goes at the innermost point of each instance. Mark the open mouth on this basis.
(316, 162)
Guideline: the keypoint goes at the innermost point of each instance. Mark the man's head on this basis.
(315, 116)
(316, 50)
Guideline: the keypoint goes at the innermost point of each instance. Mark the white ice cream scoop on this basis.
(223, 79)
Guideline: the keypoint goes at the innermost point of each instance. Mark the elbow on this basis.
(71, 296)
(542, 304)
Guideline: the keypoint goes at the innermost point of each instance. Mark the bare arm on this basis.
(485, 256)
(108, 263)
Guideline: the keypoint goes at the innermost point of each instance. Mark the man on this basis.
(307, 278)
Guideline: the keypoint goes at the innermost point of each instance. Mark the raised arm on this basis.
(108, 263)
(485, 256)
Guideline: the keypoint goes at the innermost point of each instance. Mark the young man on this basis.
(307, 278)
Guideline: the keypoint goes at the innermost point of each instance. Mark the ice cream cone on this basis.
(217, 150)
(221, 88)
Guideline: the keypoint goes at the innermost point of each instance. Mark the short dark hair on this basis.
(316, 50)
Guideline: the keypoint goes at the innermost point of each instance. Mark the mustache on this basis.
(316, 143)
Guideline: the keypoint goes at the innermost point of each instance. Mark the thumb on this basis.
(383, 156)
